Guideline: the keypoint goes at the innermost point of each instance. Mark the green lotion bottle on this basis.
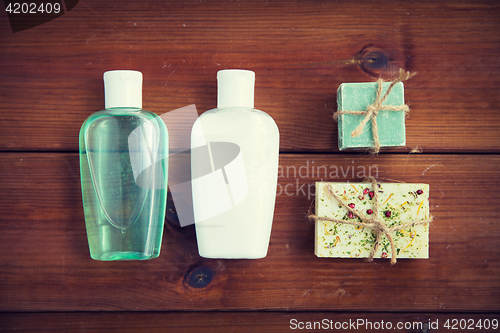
(124, 168)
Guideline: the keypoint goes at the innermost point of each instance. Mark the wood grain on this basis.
(51, 80)
(45, 264)
(51, 75)
(220, 322)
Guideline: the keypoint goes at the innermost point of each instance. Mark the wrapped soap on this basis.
(372, 114)
(403, 216)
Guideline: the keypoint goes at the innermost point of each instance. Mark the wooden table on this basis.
(51, 80)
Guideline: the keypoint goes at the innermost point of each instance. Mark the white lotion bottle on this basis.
(234, 169)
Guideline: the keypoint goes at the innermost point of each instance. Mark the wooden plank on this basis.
(219, 322)
(45, 265)
(51, 75)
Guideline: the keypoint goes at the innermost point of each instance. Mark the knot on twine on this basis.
(376, 224)
(372, 110)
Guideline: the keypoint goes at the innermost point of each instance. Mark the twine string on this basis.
(376, 223)
(373, 109)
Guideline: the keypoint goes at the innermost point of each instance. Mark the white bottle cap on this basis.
(235, 88)
(123, 89)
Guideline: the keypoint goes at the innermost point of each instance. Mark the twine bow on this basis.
(373, 109)
(376, 223)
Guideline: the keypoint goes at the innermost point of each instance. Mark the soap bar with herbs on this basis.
(357, 97)
(405, 202)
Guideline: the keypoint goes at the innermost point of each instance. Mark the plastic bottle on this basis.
(124, 168)
(234, 167)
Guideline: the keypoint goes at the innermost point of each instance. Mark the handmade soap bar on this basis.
(398, 204)
(357, 97)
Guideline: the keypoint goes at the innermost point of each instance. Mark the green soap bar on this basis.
(357, 97)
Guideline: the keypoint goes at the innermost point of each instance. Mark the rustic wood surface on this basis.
(215, 322)
(51, 80)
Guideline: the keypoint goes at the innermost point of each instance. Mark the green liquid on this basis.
(123, 165)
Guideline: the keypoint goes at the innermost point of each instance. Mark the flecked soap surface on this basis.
(406, 202)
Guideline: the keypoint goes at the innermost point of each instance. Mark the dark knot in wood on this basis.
(199, 276)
